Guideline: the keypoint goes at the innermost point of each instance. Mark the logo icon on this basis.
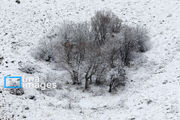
(12, 77)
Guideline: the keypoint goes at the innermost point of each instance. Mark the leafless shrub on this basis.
(16, 91)
(46, 49)
(142, 39)
(111, 50)
(117, 78)
(95, 65)
(74, 40)
(135, 40)
(104, 23)
(28, 68)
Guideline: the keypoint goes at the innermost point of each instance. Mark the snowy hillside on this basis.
(153, 89)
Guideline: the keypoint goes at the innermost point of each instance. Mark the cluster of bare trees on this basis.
(95, 52)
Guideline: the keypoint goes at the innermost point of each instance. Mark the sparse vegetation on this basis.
(92, 51)
(16, 91)
(27, 68)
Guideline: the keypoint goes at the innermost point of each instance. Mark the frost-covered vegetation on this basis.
(152, 85)
(95, 52)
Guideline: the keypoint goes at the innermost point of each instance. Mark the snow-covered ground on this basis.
(153, 90)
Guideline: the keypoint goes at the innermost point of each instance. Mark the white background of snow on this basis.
(26, 23)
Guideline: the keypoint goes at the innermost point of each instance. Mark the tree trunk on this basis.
(90, 79)
(86, 83)
(75, 77)
(110, 88)
(98, 81)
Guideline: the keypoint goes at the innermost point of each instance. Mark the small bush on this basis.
(142, 39)
(104, 23)
(16, 91)
(46, 49)
(117, 78)
(28, 68)
(134, 40)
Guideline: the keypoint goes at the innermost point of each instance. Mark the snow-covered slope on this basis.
(153, 91)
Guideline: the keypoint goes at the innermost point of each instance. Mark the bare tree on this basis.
(104, 23)
(72, 48)
(112, 49)
(91, 64)
(135, 40)
(97, 65)
(117, 78)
